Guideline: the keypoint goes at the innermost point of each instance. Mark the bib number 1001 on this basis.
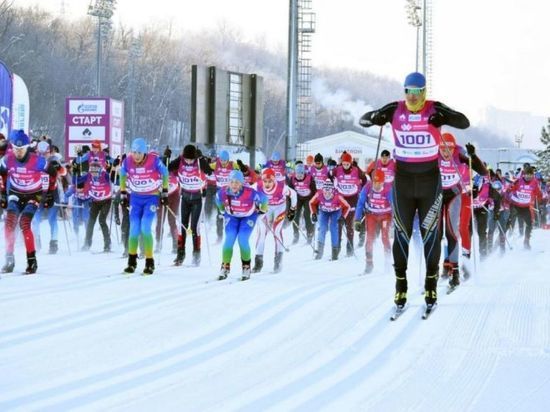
(416, 139)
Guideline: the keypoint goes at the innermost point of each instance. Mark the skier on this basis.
(522, 195)
(80, 202)
(98, 185)
(329, 207)
(277, 193)
(221, 169)
(454, 169)
(386, 164)
(23, 190)
(43, 149)
(278, 165)
(499, 213)
(348, 180)
(192, 178)
(417, 185)
(319, 171)
(147, 177)
(304, 185)
(375, 202)
(240, 206)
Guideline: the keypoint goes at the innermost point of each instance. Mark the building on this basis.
(507, 158)
(361, 146)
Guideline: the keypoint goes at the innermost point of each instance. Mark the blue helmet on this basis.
(224, 156)
(139, 145)
(236, 175)
(415, 79)
(275, 156)
(18, 138)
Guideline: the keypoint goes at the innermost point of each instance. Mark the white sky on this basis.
(487, 52)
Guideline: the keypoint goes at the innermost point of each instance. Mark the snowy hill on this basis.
(80, 335)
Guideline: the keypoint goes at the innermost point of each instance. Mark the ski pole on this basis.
(203, 220)
(303, 234)
(63, 205)
(501, 229)
(66, 234)
(274, 235)
(187, 230)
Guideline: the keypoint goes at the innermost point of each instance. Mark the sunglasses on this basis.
(414, 90)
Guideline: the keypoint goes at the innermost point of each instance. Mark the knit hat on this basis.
(309, 159)
(18, 138)
(346, 157)
(139, 145)
(378, 176)
(268, 174)
(275, 156)
(318, 157)
(236, 175)
(385, 152)
(43, 147)
(96, 144)
(447, 140)
(415, 79)
(224, 156)
(189, 152)
(300, 169)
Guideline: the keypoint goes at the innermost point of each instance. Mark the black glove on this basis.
(242, 166)
(358, 225)
(116, 162)
(164, 197)
(437, 119)
(3, 200)
(290, 214)
(314, 217)
(496, 215)
(124, 198)
(373, 118)
(342, 220)
(48, 200)
(471, 149)
(203, 193)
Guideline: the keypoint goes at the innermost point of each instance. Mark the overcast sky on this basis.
(487, 52)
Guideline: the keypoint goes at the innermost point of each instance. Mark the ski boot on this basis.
(526, 244)
(447, 270)
(246, 270)
(132, 264)
(349, 249)
(32, 265)
(196, 258)
(296, 238)
(454, 282)
(53, 247)
(224, 271)
(85, 247)
(107, 247)
(430, 287)
(258, 263)
(401, 287)
(149, 266)
(309, 238)
(180, 256)
(277, 267)
(368, 267)
(10, 263)
(335, 253)
(319, 251)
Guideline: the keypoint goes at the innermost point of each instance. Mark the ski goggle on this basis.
(21, 148)
(414, 90)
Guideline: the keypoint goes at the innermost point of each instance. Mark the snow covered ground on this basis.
(80, 335)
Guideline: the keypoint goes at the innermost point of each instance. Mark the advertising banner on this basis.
(20, 105)
(6, 98)
(93, 118)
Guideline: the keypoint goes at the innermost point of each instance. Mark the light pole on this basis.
(413, 18)
(103, 10)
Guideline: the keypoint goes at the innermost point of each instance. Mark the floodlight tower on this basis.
(420, 17)
(103, 10)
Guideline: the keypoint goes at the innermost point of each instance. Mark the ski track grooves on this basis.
(89, 316)
(323, 371)
(298, 298)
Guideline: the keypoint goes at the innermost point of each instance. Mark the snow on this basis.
(81, 335)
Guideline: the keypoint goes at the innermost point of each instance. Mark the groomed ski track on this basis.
(80, 335)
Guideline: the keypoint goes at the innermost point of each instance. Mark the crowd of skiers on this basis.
(430, 182)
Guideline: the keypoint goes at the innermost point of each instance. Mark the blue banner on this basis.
(6, 96)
